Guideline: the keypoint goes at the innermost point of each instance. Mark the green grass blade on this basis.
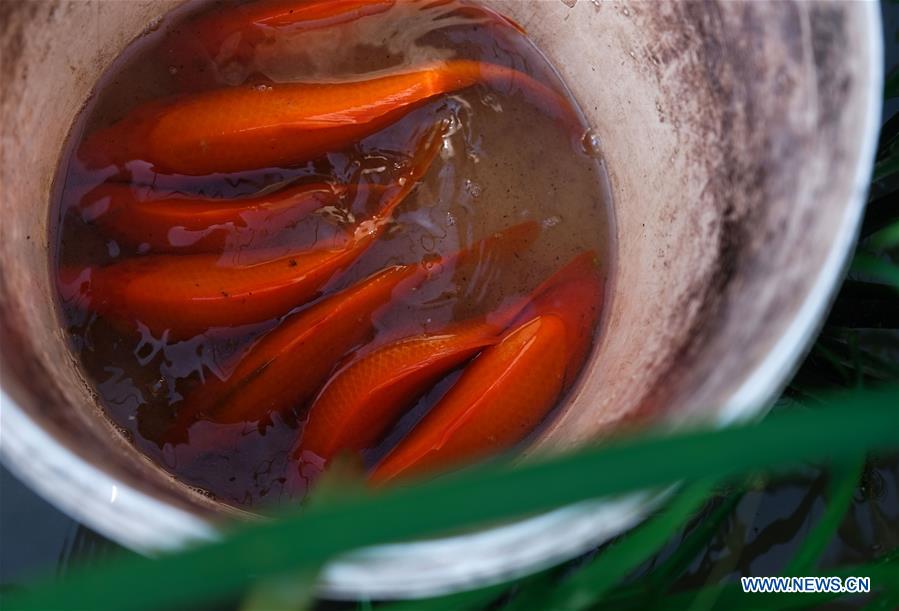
(887, 163)
(834, 359)
(460, 601)
(535, 593)
(677, 563)
(885, 239)
(856, 422)
(876, 268)
(587, 586)
(886, 167)
(291, 593)
(845, 478)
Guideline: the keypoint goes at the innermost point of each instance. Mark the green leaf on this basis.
(293, 593)
(886, 167)
(876, 268)
(534, 593)
(345, 476)
(885, 238)
(494, 491)
(838, 362)
(681, 558)
(460, 601)
(845, 478)
(588, 585)
(887, 162)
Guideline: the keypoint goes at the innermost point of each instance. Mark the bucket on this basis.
(738, 139)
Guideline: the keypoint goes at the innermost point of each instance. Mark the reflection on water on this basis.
(763, 532)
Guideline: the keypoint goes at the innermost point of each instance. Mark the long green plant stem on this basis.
(855, 422)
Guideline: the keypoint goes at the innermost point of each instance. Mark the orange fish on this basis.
(209, 44)
(185, 295)
(179, 223)
(367, 396)
(498, 400)
(503, 394)
(575, 295)
(283, 124)
(289, 364)
(362, 401)
(208, 47)
(483, 15)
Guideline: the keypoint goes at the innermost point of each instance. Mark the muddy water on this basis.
(504, 160)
